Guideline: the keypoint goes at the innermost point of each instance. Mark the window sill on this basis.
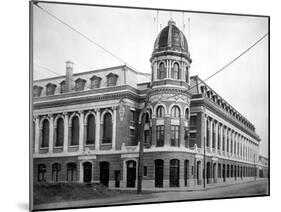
(73, 145)
(44, 148)
(106, 144)
(58, 147)
(89, 145)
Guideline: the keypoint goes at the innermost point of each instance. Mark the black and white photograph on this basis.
(137, 105)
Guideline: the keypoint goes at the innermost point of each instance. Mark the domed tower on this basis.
(169, 95)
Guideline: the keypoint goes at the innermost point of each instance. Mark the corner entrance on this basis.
(159, 164)
(104, 173)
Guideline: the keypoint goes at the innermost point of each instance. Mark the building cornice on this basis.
(205, 102)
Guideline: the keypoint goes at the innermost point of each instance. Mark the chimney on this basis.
(69, 76)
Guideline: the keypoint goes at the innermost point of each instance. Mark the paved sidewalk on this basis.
(258, 187)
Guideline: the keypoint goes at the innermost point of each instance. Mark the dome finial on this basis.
(171, 22)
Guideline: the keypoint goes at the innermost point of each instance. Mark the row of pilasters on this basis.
(224, 140)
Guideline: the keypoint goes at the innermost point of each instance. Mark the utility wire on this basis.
(228, 64)
(83, 35)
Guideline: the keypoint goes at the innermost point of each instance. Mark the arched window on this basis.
(186, 113)
(91, 129)
(107, 128)
(56, 167)
(41, 172)
(45, 133)
(59, 132)
(160, 112)
(161, 71)
(75, 131)
(71, 171)
(176, 71)
(175, 112)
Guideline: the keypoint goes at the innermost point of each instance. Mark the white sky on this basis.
(130, 34)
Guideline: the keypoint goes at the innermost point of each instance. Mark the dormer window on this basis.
(202, 88)
(62, 87)
(80, 84)
(111, 79)
(95, 81)
(37, 90)
(50, 89)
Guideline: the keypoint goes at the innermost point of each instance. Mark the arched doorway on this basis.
(131, 174)
(198, 174)
(186, 172)
(174, 173)
(223, 172)
(87, 168)
(104, 173)
(159, 170)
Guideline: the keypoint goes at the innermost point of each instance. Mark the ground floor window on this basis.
(56, 168)
(71, 171)
(41, 172)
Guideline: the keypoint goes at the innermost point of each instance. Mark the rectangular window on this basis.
(175, 135)
(192, 135)
(132, 132)
(145, 171)
(132, 115)
(146, 136)
(160, 135)
(186, 137)
(193, 120)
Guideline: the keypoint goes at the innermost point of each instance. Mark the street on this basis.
(259, 187)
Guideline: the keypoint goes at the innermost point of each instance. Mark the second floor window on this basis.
(159, 136)
(175, 135)
(59, 132)
(45, 133)
(160, 112)
(75, 131)
(91, 129)
(175, 112)
(193, 120)
(107, 128)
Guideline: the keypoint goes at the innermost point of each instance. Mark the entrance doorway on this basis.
(104, 173)
(131, 174)
(87, 167)
(174, 173)
(159, 169)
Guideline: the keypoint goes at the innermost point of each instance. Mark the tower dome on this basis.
(171, 40)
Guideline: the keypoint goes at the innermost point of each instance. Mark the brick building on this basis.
(86, 126)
